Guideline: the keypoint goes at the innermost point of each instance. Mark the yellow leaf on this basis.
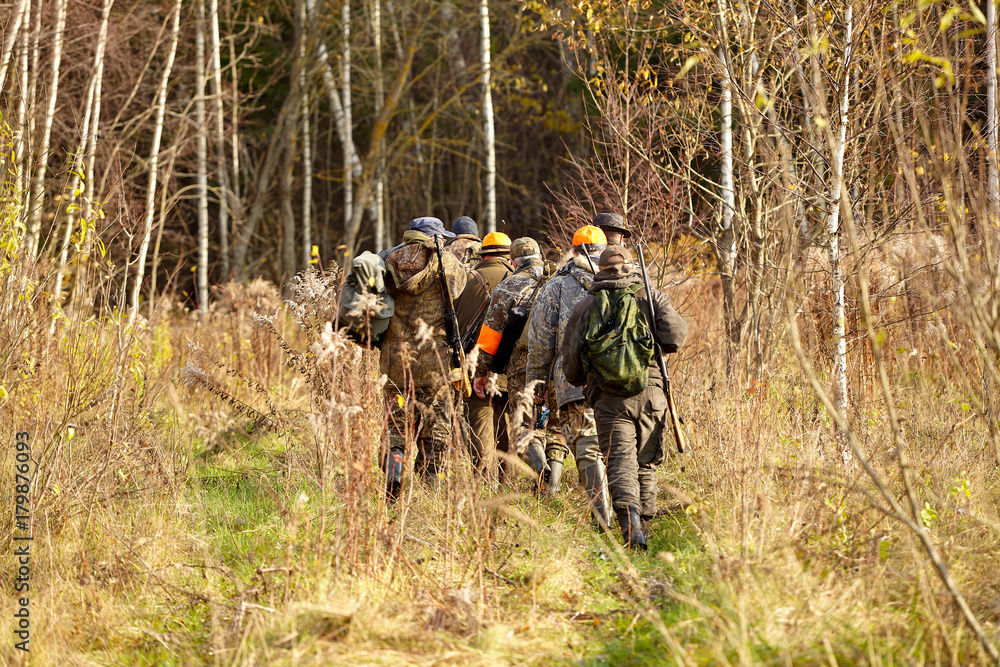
(315, 251)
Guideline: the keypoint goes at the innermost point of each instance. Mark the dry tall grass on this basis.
(207, 491)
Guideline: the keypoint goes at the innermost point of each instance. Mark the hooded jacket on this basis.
(465, 248)
(416, 289)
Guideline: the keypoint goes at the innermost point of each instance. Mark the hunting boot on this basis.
(553, 476)
(596, 482)
(393, 474)
(536, 458)
(631, 525)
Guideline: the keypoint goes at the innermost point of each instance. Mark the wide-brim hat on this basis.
(612, 222)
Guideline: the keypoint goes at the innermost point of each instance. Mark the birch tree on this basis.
(726, 242)
(227, 198)
(154, 155)
(380, 224)
(305, 111)
(88, 139)
(21, 138)
(350, 154)
(202, 150)
(838, 198)
(10, 38)
(993, 177)
(488, 129)
(41, 169)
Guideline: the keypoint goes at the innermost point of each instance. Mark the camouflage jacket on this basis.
(416, 289)
(514, 290)
(547, 328)
(465, 248)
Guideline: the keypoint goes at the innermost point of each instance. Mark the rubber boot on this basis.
(536, 458)
(632, 529)
(554, 477)
(595, 481)
(393, 474)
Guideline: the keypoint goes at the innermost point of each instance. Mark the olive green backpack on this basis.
(618, 344)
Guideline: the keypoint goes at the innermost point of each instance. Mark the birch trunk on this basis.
(89, 119)
(726, 248)
(306, 140)
(226, 196)
(89, 212)
(10, 38)
(491, 152)
(350, 153)
(991, 113)
(154, 156)
(202, 151)
(22, 114)
(41, 169)
(380, 227)
(833, 227)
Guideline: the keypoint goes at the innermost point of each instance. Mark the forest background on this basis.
(814, 182)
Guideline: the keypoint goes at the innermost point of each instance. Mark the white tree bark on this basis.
(305, 111)
(41, 169)
(10, 38)
(226, 197)
(90, 174)
(22, 113)
(833, 226)
(89, 119)
(350, 154)
(727, 235)
(202, 151)
(380, 226)
(488, 130)
(991, 113)
(154, 156)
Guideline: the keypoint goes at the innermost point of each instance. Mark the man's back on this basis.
(547, 328)
(416, 288)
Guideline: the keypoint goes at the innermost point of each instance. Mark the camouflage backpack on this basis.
(617, 343)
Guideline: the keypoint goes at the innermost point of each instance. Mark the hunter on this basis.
(546, 332)
(415, 355)
(466, 244)
(613, 226)
(515, 291)
(487, 416)
(630, 427)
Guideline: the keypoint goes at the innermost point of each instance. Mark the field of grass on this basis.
(171, 528)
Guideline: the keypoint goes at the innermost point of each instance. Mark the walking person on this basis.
(608, 347)
(503, 333)
(415, 354)
(487, 414)
(546, 332)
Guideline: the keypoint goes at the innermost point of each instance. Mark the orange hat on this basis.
(590, 235)
(495, 243)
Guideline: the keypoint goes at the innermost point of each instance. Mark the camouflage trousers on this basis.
(427, 422)
(577, 426)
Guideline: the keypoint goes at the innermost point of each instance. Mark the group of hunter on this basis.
(569, 360)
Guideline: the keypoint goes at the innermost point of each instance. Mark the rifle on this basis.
(451, 324)
(675, 420)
